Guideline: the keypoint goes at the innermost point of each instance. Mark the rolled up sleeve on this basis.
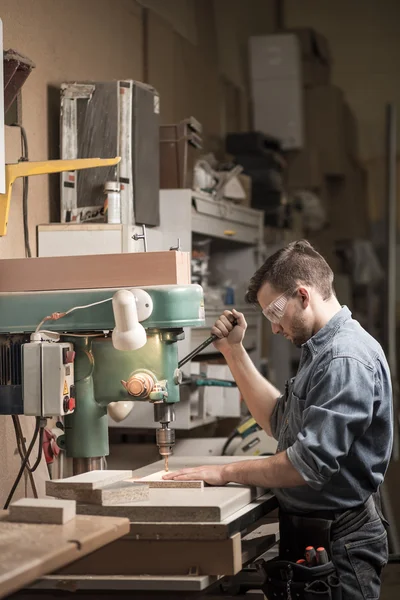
(277, 416)
(338, 409)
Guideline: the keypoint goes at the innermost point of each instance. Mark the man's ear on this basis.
(304, 296)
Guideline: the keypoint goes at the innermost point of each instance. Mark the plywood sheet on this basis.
(92, 272)
(116, 493)
(131, 557)
(210, 504)
(155, 480)
(28, 551)
(93, 480)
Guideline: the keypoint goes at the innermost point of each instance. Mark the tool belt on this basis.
(285, 579)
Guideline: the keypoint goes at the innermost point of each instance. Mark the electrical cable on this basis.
(22, 450)
(229, 440)
(39, 429)
(25, 190)
(59, 315)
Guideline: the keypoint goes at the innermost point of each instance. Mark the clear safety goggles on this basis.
(276, 310)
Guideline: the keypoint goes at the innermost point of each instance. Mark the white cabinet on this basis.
(236, 234)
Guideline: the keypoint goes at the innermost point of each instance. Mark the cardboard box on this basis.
(304, 170)
(350, 131)
(316, 58)
(325, 127)
(278, 110)
(301, 53)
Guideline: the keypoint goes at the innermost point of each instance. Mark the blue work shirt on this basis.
(336, 419)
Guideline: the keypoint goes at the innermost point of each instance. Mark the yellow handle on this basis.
(25, 169)
(229, 232)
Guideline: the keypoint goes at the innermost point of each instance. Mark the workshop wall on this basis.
(365, 46)
(196, 59)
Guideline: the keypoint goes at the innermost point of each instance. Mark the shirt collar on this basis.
(324, 335)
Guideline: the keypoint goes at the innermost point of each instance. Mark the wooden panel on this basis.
(133, 557)
(156, 480)
(116, 493)
(91, 272)
(93, 480)
(28, 551)
(42, 510)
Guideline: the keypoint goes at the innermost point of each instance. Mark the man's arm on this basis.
(275, 471)
(260, 395)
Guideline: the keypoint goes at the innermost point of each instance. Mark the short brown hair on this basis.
(296, 262)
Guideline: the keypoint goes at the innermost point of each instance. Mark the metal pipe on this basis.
(83, 465)
(391, 151)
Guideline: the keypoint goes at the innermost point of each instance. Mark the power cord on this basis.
(22, 450)
(25, 189)
(39, 429)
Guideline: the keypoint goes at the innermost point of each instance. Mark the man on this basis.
(334, 422)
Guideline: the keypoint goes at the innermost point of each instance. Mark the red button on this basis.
(71, 404)
(70, 356)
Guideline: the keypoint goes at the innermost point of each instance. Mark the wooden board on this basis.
(116, 493)
(93, 480)
(28, 551)
(144, 557)
(91, 272)
(42, 510)
(155, 480)
(210, 504)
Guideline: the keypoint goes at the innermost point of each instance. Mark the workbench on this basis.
(28, 551)
(180, 540)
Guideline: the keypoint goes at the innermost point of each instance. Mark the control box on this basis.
(48, 379)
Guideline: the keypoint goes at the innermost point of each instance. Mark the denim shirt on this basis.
(335, 419)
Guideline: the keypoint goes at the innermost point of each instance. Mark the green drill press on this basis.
(58, 357)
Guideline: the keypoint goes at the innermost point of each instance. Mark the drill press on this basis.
(85, 368)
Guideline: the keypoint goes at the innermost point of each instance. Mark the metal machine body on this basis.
(102, 375)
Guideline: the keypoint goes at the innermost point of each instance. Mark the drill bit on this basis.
(166, 464)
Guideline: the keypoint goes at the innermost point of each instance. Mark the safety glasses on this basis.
(276, 310)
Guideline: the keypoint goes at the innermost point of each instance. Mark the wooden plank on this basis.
(116, 493)
(133, 557)
(42, 510)
(92, 271)
(93, 480)
(212, 504)
(155, 480)
(28, 551)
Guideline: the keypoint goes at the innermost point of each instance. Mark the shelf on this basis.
(225, 220)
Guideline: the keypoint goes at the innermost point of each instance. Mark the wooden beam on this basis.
(162, 557)
(92, 272)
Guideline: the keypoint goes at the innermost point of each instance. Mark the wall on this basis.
(184, 57)
(365, 41)
(74, 40)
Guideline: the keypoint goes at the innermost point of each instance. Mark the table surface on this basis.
(29, 551)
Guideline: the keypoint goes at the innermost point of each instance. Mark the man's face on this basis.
(295, 324)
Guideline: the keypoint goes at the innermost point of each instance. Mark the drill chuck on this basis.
(165, 440)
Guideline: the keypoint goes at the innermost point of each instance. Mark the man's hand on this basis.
(275, 471)
(213, 475)
(228, 334)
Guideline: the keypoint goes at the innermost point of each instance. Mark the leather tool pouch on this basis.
(287, 580)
